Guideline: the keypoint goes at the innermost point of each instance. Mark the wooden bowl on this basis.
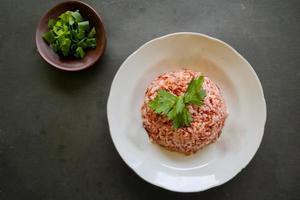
(71, 64)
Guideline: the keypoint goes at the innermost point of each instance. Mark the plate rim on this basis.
(264, 111)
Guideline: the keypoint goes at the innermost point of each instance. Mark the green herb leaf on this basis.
(163, 102)
(184, 118)
(179, 106)
(187, 118)
(175, 107)
(195, 94)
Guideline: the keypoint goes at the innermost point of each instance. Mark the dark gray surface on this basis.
(54, 137)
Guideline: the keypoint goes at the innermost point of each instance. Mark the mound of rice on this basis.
(208, 119)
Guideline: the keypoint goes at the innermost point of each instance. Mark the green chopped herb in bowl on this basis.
(70, 35)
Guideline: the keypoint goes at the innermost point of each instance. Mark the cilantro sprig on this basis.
(70, 35)
(175, 107)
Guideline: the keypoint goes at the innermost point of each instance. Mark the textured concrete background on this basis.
(54, 138)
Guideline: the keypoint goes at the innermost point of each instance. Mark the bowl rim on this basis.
(57, 65)
(264, 111)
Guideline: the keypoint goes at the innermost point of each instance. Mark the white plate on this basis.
(216, 163)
